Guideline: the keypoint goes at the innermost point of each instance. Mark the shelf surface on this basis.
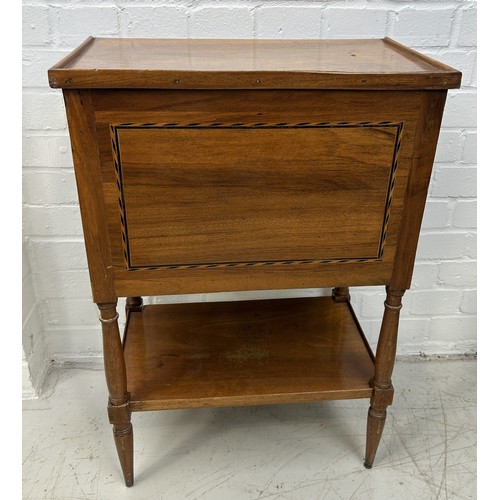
(245, 353)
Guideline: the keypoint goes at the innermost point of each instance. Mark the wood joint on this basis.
(122, 431)
(380, 414)
(104, 306)
(341, 294)
(381, 397)
(119, 414)
(134, 304)
(394, 308)
(108, 312)
(110, 320)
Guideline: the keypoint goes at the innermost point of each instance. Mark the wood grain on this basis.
(216, 165)
(116, 379)
(81, 123)
(431, 112)
(225, 194)
(245, 353)
(334, 165)
(181, 64)
(383, 390)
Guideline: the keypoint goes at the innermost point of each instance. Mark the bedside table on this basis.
(230, 165)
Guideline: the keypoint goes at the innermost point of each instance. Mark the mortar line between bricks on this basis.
(457, 165)
(438, 262)
(51, 205)
(52, 239)
(447, 231)
(437, 288)
(455, 315)
(454, 198)
(466, 128)
(455, 27)
(47, 170)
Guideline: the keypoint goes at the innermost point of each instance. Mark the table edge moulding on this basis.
(232, 165)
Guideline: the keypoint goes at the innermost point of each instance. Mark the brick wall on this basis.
(33, 339)
(439, 312)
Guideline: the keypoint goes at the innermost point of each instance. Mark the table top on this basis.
(186, 64)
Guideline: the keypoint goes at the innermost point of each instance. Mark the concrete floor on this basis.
(299, 451)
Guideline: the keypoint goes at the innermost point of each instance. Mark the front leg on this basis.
(383, 390)
(116, 379)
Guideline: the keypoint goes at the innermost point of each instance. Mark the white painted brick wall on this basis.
(445, 245)
(65, 284)
(43, 109)
(450, 147)
(35, 64)
(465, 60)
(468, 27)
(69, 22)
(339, 22)
(470, 148)
(454, 182)
(36, 25)
(168, 21)
(53, 151)
(460, 274)
(221, 21)
(425, 276)
(298, 23)
(439, 311)
(423, 27)
(49, 188)
(469, 302)
(437, 214)
(52, 221)
(56, 254)
(461, 109)
(452, 328)
(465, 214)
(429, 303)
(35, 350)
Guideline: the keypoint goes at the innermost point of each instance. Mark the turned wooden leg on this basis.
(116, 379)
(383, 390)
(341, 294)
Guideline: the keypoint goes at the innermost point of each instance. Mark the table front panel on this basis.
(238, 181)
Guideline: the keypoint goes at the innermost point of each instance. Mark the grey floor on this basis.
(298, 451)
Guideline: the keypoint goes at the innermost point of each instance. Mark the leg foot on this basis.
(124, 441)
(375, 426)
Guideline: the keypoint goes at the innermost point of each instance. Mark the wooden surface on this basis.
(81, 124)
(202, 185)
(383, 391)
(198, 195)
(318, 179)
(118, 399)
(426, 138)
(167, 63)
(245, 353)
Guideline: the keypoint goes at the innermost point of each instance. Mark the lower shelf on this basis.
(245, 353)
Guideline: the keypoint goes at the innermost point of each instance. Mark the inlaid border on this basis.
(115, 145)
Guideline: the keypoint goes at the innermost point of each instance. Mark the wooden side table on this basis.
(220, 165)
